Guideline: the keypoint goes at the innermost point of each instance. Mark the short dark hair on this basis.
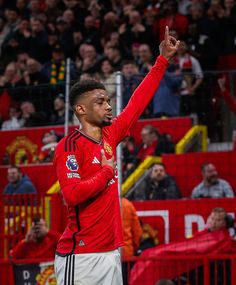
(161, 164)
(204, 166)
(81, 87)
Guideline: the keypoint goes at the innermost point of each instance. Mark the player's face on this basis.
(98, 108)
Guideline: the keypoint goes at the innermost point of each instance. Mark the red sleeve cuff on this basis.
(161, 60)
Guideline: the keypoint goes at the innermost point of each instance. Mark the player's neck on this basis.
(92, 131)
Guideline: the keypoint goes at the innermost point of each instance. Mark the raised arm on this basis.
(146, 90)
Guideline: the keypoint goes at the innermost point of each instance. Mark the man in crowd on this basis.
(212, 186)
(39, 242)
(158, 185)
(18, 182)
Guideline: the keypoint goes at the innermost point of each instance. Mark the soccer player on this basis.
(87, 252)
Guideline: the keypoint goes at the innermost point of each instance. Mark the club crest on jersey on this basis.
(108, 148)
(71, 163)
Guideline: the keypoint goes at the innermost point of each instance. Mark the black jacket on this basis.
(148, 189)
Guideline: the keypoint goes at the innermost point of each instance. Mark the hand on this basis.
(30, 236)
(41, 229)
(110, 162)
(169, 46)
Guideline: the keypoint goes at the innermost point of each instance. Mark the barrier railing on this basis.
(218, 269)
(197, 269)
(197, 132)
(19, 212)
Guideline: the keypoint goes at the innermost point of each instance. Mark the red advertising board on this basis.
(176, 219)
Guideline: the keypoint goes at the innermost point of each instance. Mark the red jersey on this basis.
(90, 190)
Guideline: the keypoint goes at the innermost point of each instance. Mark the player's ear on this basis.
(80, 109)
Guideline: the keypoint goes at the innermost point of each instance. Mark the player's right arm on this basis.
(146, 90)
(74, 189)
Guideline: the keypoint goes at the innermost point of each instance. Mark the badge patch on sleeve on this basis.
(71, 163)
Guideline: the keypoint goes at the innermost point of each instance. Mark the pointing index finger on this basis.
(166, 35)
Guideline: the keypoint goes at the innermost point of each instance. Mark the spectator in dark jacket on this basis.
(157, 186)
(18, 182)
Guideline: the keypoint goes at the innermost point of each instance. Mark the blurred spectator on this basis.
(212, 186)
(113, 53)
(199, 44)
(49, 141)
(149, 238)
(38, 47)
(132, 233)
(91, 33)
(229, 99)
(88, 60)
(108, 78)
(227, 29)
(158, 185)
(65, 31)
(166, 101)
(169, 16)
(214, 239)
(145, 58)
(52, 10)
(154, 143)
(23, 9)
(110, 24)
(10, 77)
(55, 69)
(17, 42)
(129, 154)
(32, 74)
(192, 79)
(31, 117)
(131, 80)
(149, 136)
(14, 122)
(58, 116)
(39, 242)
(35, 8)
(19, 183)
(12, 20)
(134, 31)
(132, 230)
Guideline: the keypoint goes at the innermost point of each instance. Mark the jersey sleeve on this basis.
(139, 100)
(76, 190)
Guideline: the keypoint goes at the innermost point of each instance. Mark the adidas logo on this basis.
(95, 160)
(81, 243)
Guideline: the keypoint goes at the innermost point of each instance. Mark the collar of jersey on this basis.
(89, 138)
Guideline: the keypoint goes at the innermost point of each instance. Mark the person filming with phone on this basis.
(39, 242)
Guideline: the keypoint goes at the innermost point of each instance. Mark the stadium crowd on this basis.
(101, 37)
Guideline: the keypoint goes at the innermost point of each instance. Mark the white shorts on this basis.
(103, 268)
